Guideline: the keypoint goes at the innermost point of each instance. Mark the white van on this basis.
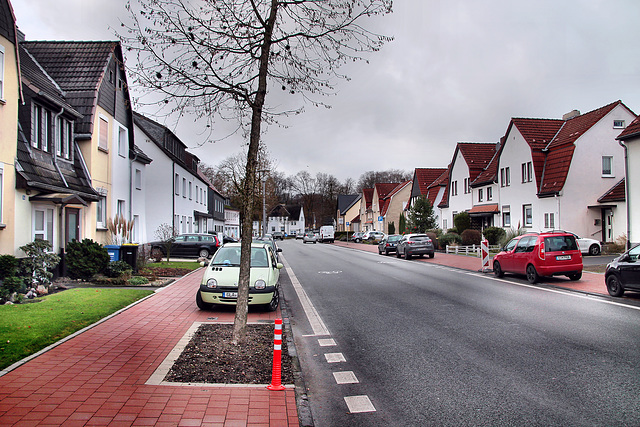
(327, 233)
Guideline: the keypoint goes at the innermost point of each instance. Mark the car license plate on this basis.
(563, 257)
(229, 295)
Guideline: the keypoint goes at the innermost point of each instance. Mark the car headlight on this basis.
(212, 283)
(260, 284)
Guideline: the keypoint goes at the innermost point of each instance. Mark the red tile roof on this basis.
(477, 155)
(615, 194)
(444, 181)
(387, 200)
(424, 177)
(368, 197)
(492, 208)
(631, 131)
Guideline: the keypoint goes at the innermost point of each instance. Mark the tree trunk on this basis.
(242, 305)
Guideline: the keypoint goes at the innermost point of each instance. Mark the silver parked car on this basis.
(310, 237)
(415, 244)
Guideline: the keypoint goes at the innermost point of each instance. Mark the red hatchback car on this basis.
(553, 253)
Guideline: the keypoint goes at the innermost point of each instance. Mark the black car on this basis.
(415, 244)
(187, 246)
(623, 273)
(388, 244)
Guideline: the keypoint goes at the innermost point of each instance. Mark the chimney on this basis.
(571, 115)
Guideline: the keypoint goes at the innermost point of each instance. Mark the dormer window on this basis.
(618, 124)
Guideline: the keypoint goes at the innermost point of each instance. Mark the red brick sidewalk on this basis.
(592, 283)
(98, 377)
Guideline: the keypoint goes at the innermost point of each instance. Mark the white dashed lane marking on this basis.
(326, 342)
(359, 404)
(345, 377)
(334, 357)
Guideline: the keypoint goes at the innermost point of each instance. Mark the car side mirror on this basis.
(279, 265)
(279, 250)
(626, 258)
(204, 263)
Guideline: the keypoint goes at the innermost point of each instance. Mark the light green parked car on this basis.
(220, 282)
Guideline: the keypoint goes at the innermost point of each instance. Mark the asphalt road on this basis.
(431, 345)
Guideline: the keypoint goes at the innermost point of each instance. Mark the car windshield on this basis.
(419, 238)
(230, 256)
(394, 238)
(560, 243)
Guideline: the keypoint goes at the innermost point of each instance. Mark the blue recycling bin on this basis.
(114, 252)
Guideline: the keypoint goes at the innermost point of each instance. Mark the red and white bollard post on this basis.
(484, 252)
(276, 373)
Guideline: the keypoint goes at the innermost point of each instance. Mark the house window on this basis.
(505, 177)
(489, 193)
(527, 169)
(467, 188)
(176, 184)
(103, 138)
(176, 222)
(46, 132)
(607, 166)
(618, 124)
(101, 213)
(43, 223)
(123, 143)
(184, 224)
(138, 179)
(549, 220)
(184, 187)
(506, 216)
(454, 188)
(120, 208)
(197, 195)
(1, 72)
(527, 215)
(190, 191)
(480, 194)
(36, 128)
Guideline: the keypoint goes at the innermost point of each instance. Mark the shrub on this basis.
(510, 234)
(138, 281)
(462, 221)
(39, 262)
(494, 234)
(434, 238)
(8, 266)
(449, 239)
(13, 284)
(86, 258)
(117, 269)
(471, 237)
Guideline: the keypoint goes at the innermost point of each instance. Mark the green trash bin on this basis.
(129, 254)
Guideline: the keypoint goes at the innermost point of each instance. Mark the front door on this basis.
(72, 225)
(607, 229)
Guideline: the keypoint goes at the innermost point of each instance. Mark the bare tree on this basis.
(370, 178)
(216, 58)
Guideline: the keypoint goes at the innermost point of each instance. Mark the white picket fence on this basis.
(470, 250)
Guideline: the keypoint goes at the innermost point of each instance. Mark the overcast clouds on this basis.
(458, 70)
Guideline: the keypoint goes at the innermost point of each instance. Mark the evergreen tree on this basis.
(421, 216)
(402, 224)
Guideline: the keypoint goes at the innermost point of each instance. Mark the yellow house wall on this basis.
(8, 141)
(99, 165)
(398, 201)
(350, 215)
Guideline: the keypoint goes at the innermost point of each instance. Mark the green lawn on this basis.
(27, 328)
(191, 265)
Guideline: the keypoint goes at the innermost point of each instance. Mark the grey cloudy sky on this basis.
(458, 70)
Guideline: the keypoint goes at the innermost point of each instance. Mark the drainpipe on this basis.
(626, 191)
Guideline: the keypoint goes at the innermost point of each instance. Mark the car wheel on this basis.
(275, 301)
(407, 255)
(614, 287)
(594, 250)
(432, 254)
(386, 252)
(204, 253)
(575, 276)
(497, 270)
(379, 252)
(201, 304)
(398, 254)
(532, 274)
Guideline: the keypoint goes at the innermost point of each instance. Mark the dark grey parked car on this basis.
(623, 273)
(388, 244)
(415, 244)
(188, 246)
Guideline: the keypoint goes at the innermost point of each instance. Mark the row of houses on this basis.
(579, 173)
(74, 155)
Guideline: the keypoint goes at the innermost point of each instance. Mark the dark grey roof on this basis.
(346, 201)
(7, 22)
(140, 155)
(37, 170)
(287, 211)
(79, 68)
